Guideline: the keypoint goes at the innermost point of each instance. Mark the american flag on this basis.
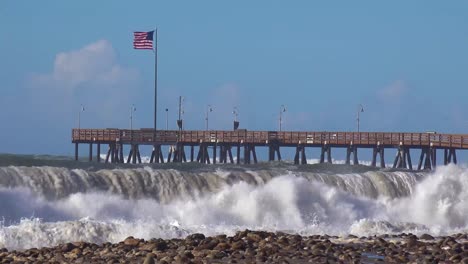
(143, 40)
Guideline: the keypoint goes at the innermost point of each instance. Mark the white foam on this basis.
(437, 204)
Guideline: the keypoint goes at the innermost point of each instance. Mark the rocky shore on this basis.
(256, 247)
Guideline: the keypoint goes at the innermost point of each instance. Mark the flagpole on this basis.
(155, 81)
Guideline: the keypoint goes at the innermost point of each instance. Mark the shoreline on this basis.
(256, 247)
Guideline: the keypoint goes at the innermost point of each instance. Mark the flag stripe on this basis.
(143, 40)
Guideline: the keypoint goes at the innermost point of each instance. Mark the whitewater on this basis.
(45, 202)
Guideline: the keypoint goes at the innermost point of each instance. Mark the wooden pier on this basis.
(222, 144)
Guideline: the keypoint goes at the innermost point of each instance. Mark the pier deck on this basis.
(428, 142)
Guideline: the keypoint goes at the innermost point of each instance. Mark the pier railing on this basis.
(293, 138)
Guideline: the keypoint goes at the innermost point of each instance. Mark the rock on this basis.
(455, 258)
(449, 241)
(196, 236)
(238, 245)
(411, 242)
(253, 237)
(130, 241)
(381, 241)
(283, 240)
(426, 237)
(181, 259)
(222, 246)
(147, 247)
(188, 255)
(149, 259)
(166, 259)
(320, 247)
(208, 243)
(161, 245)
(67, 247)
(80, 244)
(74, 254)
(216, 254)
(221, 237)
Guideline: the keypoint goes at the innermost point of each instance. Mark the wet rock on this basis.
(426, 237)
(149, 259)
(411, 242)
(215, 254)
(253, 237)
(130, 241)
(222, 246)
(148, 247)
(238, 245)
(252, 247)
(196, 236)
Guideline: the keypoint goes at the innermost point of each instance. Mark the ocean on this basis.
(48, 200)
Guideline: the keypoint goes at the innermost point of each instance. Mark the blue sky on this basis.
(405, 61)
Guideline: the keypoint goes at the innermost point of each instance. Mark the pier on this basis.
(221, 146)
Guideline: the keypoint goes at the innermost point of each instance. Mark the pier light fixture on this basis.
(181, 112)
(79, 115)
(359, 111)
(235, 112)
(132, 109)
(167, 118)
(282, 110)
(209, 109)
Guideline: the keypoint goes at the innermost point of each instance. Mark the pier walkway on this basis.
(222, 143)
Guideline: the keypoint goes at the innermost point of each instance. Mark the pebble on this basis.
(257, 247)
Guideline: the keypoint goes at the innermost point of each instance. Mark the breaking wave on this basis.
(44, 206)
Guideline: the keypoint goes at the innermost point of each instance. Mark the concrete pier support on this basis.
(224, 153)
(214, 153)
(274, 150)
(108, 154)
(177, 153)
(134, 154)
(98, 152)
(378, 151)
(115, 153)
(119, 153)
(450, 156)
(203, 155)
(157, 155)
(249, 151)
(403, 158)
(351, 150)
(300, 156)
(427, 160)
(326, 150)
(91, 152)
(192, 152)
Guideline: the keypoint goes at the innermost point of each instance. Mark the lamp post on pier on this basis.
(132, 109)
(359, 111)
(167, 118)
(282, 110)
(235, 112)
(181, 112)
(79, 115)
(209, 109)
